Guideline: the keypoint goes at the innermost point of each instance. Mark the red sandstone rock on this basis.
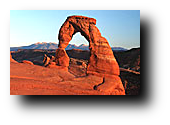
(11, 59)
(102, 60)
(112, 86)
(38, 80)
(62, 58)
(53, 65)
(46, 60)
(27, 62)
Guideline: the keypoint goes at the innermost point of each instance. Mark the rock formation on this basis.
(46, 60)
(62, 58)
(27, 62)
(11, 59)
(102, 61)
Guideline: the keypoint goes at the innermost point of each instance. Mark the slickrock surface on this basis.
(37, 80)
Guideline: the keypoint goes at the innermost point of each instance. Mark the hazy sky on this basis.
(120, 27)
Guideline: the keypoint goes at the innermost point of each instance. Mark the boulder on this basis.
(84, 65)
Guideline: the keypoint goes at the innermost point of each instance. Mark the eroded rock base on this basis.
(28, 79)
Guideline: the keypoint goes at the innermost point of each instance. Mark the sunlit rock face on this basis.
(102, 61)
(11, 59)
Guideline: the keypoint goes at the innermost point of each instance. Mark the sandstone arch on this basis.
(102, 61)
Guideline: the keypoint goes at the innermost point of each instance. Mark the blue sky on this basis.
(120, 27)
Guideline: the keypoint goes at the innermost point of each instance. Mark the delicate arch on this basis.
(102, 61)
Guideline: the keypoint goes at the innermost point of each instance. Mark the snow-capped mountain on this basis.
(52, 45)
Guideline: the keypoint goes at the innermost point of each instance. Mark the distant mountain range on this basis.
(51, 45)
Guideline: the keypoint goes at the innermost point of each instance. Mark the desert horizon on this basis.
(77, 45)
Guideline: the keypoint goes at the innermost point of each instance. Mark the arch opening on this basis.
(78, 52)
(78, 40)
